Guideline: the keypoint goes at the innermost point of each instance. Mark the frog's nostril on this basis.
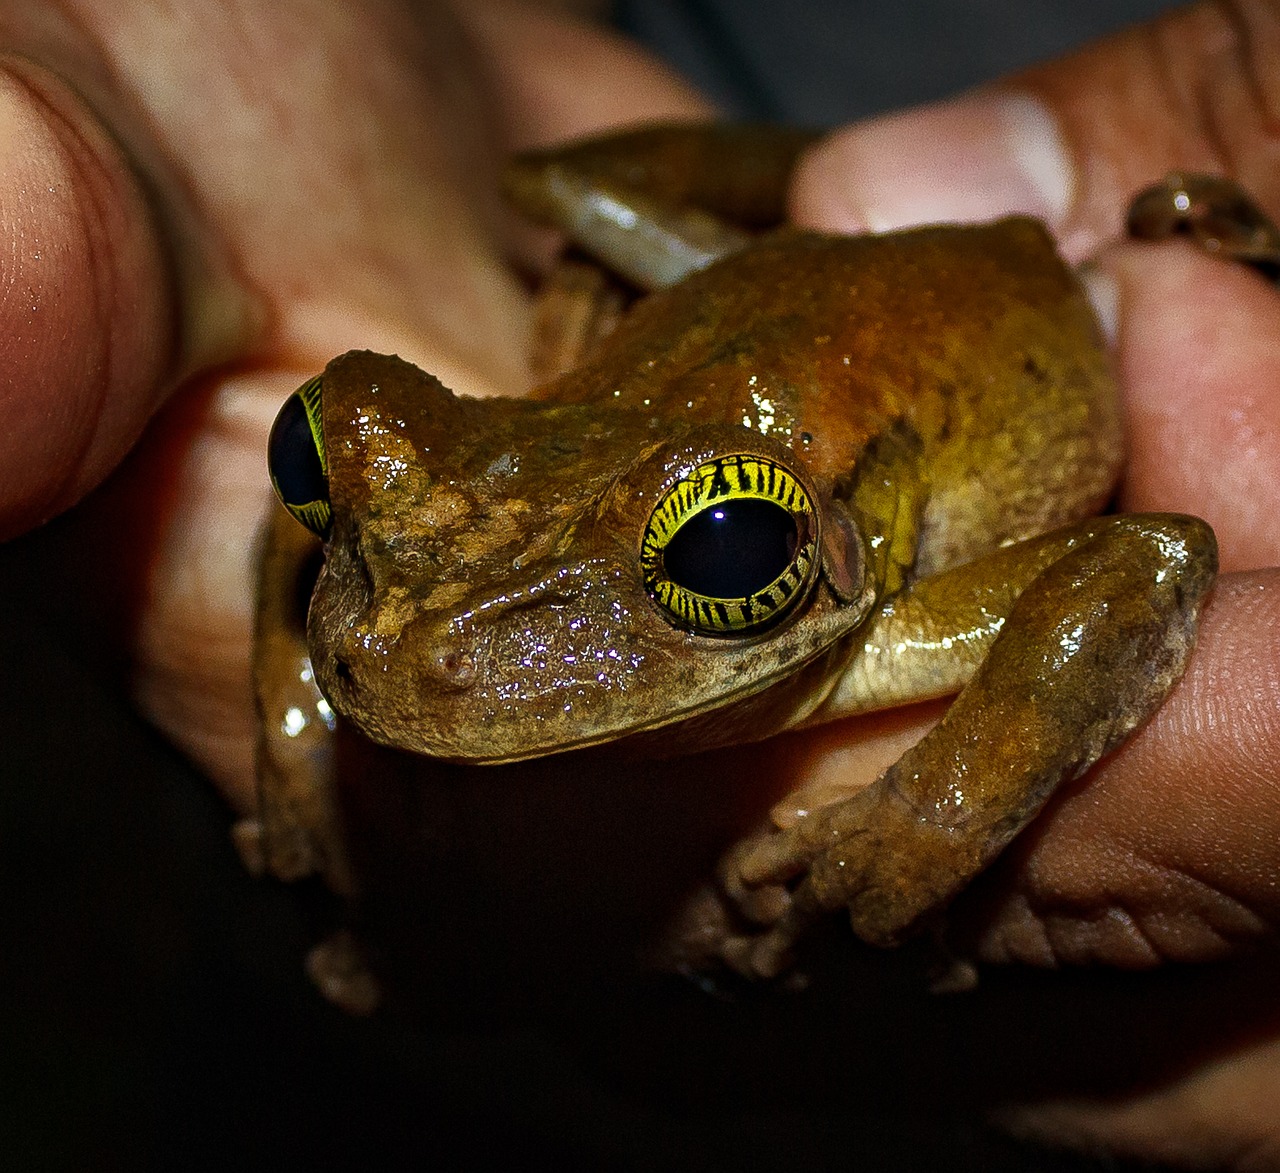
(454, 668)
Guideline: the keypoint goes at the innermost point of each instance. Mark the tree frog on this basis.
(801, 477)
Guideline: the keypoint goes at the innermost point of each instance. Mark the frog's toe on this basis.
(693, 941)
(248, 837)
(760, 901)
(772, 859)
(717, 928)
(338, 968)
(756, 882)
(743, 955)
(766, 956)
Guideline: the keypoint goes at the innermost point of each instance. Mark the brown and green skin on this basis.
(945, 395)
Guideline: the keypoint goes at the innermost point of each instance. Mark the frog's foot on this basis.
(772, 867)
(247, 836)
(749, 920)
(783, 881)
(1216, 213)
(338, 968)
(712, 928)
(712, 934)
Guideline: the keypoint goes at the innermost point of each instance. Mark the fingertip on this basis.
(86, 332)
(985, 155)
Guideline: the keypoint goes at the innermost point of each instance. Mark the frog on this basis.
(786, 478)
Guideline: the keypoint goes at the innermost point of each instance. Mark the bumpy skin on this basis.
(944, 395)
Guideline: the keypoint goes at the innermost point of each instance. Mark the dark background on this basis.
(153, 1013)
(823, 62)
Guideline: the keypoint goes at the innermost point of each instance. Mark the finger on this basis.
(1201, 371)
(554, 78)
(361, 228)
(1167, 850)
(86, 335)
(201, 470)
(557, 78)
(1070, 141)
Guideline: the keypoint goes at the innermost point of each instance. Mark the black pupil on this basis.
(292, 456)
(732, 549)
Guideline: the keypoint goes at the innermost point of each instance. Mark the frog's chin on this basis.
(654, 743)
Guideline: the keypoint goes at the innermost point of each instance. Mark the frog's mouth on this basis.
(647, 726)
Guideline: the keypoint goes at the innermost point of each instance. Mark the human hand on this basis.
(1170, 849)
(209, 202)
(255, 194)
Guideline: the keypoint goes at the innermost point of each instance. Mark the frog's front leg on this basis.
(1089, 649)
(297, 830)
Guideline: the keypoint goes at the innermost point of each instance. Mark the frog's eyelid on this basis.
(311, 394)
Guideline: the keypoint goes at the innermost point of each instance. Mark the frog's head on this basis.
(505, 578)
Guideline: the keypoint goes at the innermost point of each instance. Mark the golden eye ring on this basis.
(732, 546)
(296, 458)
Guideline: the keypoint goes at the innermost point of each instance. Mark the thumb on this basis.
(85, 332)
(1069, 142)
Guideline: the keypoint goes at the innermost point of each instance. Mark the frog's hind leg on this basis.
(1089, 650)
(658, 203)
(651, 205)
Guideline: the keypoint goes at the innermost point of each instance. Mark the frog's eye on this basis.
(731, 546)
(296, 458)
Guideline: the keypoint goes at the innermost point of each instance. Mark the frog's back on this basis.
(973, 345)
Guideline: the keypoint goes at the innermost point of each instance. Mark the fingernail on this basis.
(1103, 292)
(974, 158)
